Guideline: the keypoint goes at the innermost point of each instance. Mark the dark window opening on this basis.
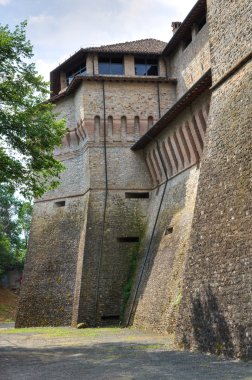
(110, 317)
(79, 70)
(169, 230)
(201, 23)
(137, 195)
(60, 204)
(187, 41)
(111, 66)
(146, 66)
(128, 239)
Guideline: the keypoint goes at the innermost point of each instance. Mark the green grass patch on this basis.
(53, 332)
(144, 347)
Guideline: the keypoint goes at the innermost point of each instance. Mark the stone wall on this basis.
(215, 313)
(48, 287)
(171, 159)
(78, 240)
(136, 99)
(159, 294)
(189, 64)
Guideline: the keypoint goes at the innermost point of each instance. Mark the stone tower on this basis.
(85, 235)
(151, 224)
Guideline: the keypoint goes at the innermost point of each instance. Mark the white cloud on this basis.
(44, 68)
(4, 2)
(40, 19)
(60, 31)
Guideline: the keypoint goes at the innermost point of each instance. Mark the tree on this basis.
(15, 219)
(29, 130)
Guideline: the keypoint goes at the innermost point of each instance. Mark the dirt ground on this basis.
(106, 354)
(8, 305)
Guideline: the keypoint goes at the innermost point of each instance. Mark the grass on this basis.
(52, 332)
(146, 347)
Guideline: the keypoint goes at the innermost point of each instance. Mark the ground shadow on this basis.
(115, 361)
(210, 330)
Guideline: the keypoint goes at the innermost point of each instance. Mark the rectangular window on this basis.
(111, 66)
(187, 41)
(59, 204)
(201, 23)
(136, 195)
(110, 317)
(79, 70)
(146, 66)
(128, 239)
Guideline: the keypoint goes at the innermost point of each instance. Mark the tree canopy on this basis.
(29, 130)
(15, 219)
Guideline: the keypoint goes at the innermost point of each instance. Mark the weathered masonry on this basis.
(150, 225)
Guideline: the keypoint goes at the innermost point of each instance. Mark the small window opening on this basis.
(128, 239)
(110, 317)
(168, 230)
(130, 195)
(60, 204)
(201, 23)
(187, 41)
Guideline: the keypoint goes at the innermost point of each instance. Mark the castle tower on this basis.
(85, 235)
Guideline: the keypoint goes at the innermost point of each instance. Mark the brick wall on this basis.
(215, 313)
(157, 300)
(48, 287)
(189, 64)
(173, 155)
(79, 242)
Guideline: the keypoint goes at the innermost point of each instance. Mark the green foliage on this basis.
(29, 131)
(133, 253)
(15, 219)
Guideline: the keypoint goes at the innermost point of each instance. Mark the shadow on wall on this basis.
(210, 331)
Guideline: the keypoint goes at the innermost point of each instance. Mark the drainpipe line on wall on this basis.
(158, 98)
(151, 238)
(105, 202)
(93, 64)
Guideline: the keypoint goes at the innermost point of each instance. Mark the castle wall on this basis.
(80, 242)
(159, 293)
(189, 64)
(171, 159)
(48, 287)
(107, 261)
(136, 99)
(215, 313)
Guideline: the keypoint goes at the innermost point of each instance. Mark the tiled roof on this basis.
(145, 46)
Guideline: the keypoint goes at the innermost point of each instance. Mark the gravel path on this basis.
(106, 353)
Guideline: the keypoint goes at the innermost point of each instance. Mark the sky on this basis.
(59, 28)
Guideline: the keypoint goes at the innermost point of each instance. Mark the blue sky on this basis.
(58, 28)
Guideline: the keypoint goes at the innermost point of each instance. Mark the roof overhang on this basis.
(198, 88)
(197, 12)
